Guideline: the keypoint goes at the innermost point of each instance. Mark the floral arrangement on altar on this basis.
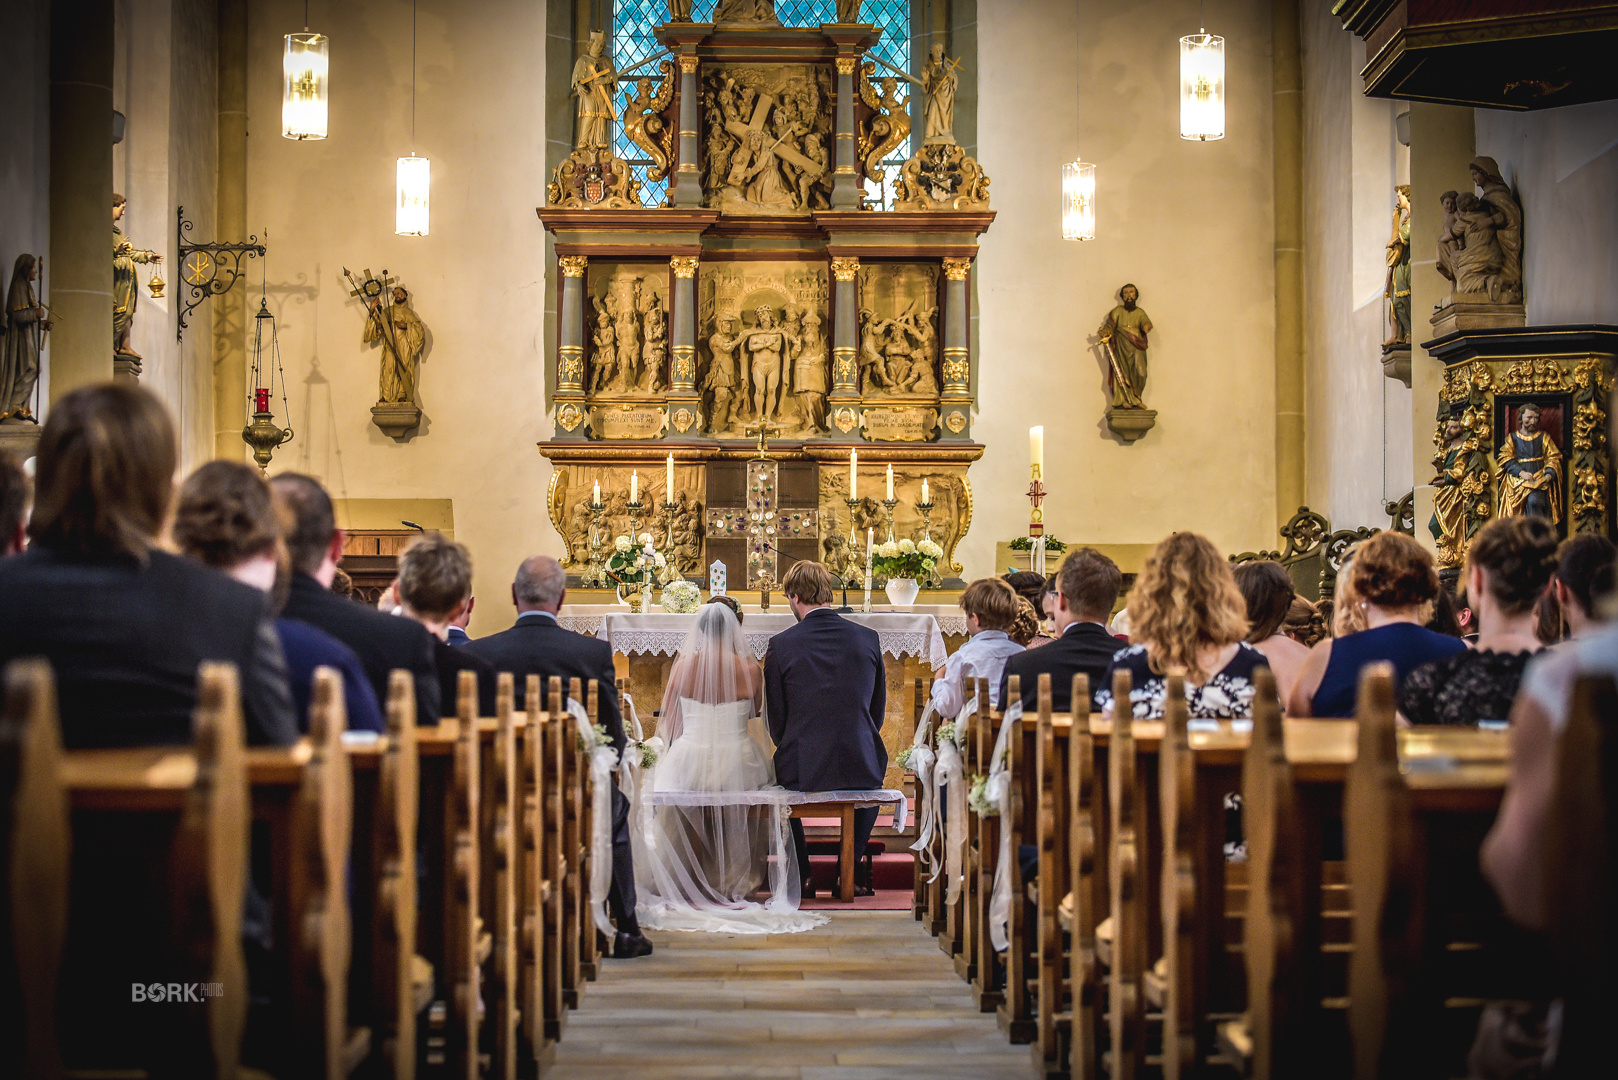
(906, 558)
(1052, 545)
(630, 564)
(681, 597)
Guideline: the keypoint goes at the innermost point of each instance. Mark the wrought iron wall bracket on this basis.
(208, 269)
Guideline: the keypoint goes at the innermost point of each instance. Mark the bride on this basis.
(712, 828)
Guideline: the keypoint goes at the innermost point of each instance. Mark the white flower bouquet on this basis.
(906, 559)
(639, 564)
(681, 597)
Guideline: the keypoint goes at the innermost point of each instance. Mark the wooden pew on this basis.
(983, 853)
(952, 920)
(498, 839)
(386, 808)
(533, 887)
(1057, 795)
(552, 751)
(921, 904)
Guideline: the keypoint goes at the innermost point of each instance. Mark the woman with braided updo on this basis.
(1508, 568)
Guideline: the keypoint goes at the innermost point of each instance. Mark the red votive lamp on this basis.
(261, 400)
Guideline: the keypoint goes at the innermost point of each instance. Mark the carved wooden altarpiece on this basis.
(764, 291)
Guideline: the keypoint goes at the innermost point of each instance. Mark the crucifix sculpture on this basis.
(763, 523)
(763, 429)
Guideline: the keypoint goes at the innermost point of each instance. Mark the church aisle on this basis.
(867, 997)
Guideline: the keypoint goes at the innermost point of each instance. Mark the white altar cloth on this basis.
(903, 633)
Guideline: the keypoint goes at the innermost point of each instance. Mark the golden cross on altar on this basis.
(763, 429)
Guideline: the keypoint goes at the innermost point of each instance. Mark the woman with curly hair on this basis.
(1187, 617)
(1508, 567)
(1389, 590)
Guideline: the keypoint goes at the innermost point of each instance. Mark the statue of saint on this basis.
(722, 375)
(1448, 524)
(746, 11)
(594, 82)
(873, 368)
(626, 323)
(939, 79)
(1496, 194)
(1530, 466)
(1451, 238)
(1397, 289)
(848, 11)
(403, 336)
(655, 342)
(1123, 337)
(25, 329)
(809, 373)
(605, 360)
(125, 289)
(766, 344)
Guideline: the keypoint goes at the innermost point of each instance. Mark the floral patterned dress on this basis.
(1226, 696)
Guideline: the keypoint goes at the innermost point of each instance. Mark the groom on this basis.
(825, 690)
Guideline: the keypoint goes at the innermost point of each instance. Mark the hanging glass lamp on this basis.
(415, 179)
(305, 65)
(1202, 87)
(1078, 201)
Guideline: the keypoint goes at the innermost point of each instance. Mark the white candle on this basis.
(634, 486)
(669, 489)
(1036, 448)
(870, 540)
(595, 498)
(924, 497)
(853, 473)
(890, 481)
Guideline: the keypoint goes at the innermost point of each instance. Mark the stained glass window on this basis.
(633, 41)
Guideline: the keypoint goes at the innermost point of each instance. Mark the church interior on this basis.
(474, 387)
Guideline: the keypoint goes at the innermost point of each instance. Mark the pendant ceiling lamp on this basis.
(304, 66)
(415, 174)
(1078, 176)
(1202, 86)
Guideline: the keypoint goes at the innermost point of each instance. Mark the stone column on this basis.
(230, 309)
(843, 402)
(1442, 142)
(570, 331)
(845, 186)
(80, 262)
(687, 180)
(685, 404)
(955, 404)
(1287, 119)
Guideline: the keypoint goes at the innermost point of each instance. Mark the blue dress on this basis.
(308, 647)
(1405, 645)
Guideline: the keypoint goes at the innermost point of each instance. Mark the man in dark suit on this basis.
(383, 642)
(1087, 588)
(435, 584)
(538, 645)
(456, 635)
(825, 690)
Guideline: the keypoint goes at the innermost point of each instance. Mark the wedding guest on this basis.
(341, 583)
(225, 518)
(1391, 584)
(1466, 617)
(1347, 614)
(538, 645)
(383, 642)
(1268, 592)
(1188, 618)
(15, 491)
(991, 608)
(124, 623)
(1584, 575)
(1508, 566)
(1305, 624)
(1443, 619)
(1025, 627)
(456, 634)
(1034, 588)
(434, 587)
(1548, 627)
(1087, 588)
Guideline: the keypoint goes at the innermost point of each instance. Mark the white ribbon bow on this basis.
(998, 792)
(603, 759)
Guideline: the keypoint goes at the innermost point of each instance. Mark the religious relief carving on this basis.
(1543, 375)
(763, 325)
(746, 13)
(1460, 486)
(889, 124)
(769, 129)
(643, 119)
(1123, 341)
(951, 514)
(1480, 252)
(679, 535)
(1591, 459)
(898, 352)
(942, 177)
(630, 337)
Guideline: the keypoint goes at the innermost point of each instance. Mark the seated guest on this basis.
(1305, 624)
(226, 519)
(1086, 589)
(456, 634)
(1466, 617)
(991, 608)
(1584, 574)
(538, 645)
(1444, 620)
(1508, 566)
(1267, 589)
(435, 587)
(14, 494)
(1034, 588)
(1025, 627)
(1187, 618)
(383, 642)
(124, 623)
(1391, 584)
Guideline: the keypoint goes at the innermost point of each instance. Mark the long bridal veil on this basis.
(711, 828)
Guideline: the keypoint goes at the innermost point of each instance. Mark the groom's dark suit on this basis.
(825, 690)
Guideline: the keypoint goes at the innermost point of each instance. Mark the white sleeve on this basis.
(946, 696)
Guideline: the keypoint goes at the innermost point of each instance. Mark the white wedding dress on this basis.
(710, 827)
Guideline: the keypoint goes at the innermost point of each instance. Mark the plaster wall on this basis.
(478, 280)
(1189, 223)
(25, 134)
(1563, 164)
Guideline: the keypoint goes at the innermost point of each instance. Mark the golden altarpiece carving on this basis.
(765, 294)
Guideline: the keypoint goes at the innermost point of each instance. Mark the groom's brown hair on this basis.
(808, 583)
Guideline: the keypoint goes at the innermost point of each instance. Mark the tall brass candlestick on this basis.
(667, 514)
(598, 566)
(890, 504)
(635, 509)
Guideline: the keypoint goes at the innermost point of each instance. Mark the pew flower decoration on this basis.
(906, 558)
(648, 753)
(681, 597)
(978, 798)
(601, 738)
(905, 757)
(946, 732)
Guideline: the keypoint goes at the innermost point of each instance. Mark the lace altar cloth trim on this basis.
(901, 633)
(783, 797)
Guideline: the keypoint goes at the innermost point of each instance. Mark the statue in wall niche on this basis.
(626, 325)
(403, 336)
(1397, 288)
(594, 83)
(643, 120)
(1530, 465)
(1123, 337)
(125, 289)
(1451, 492)
(766, 344)
(655, 343)
(722, 378)
(605, 358)
(26, 324)
(939, 79)
(809, 381)
(756, 12)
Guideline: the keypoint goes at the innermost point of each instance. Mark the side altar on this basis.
(764, 326)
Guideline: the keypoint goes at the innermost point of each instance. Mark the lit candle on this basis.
(853, 473)
(595, 498)
(634, 486)
(1036, 449)
(890, 481)
(669, 489)
(925, 498)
